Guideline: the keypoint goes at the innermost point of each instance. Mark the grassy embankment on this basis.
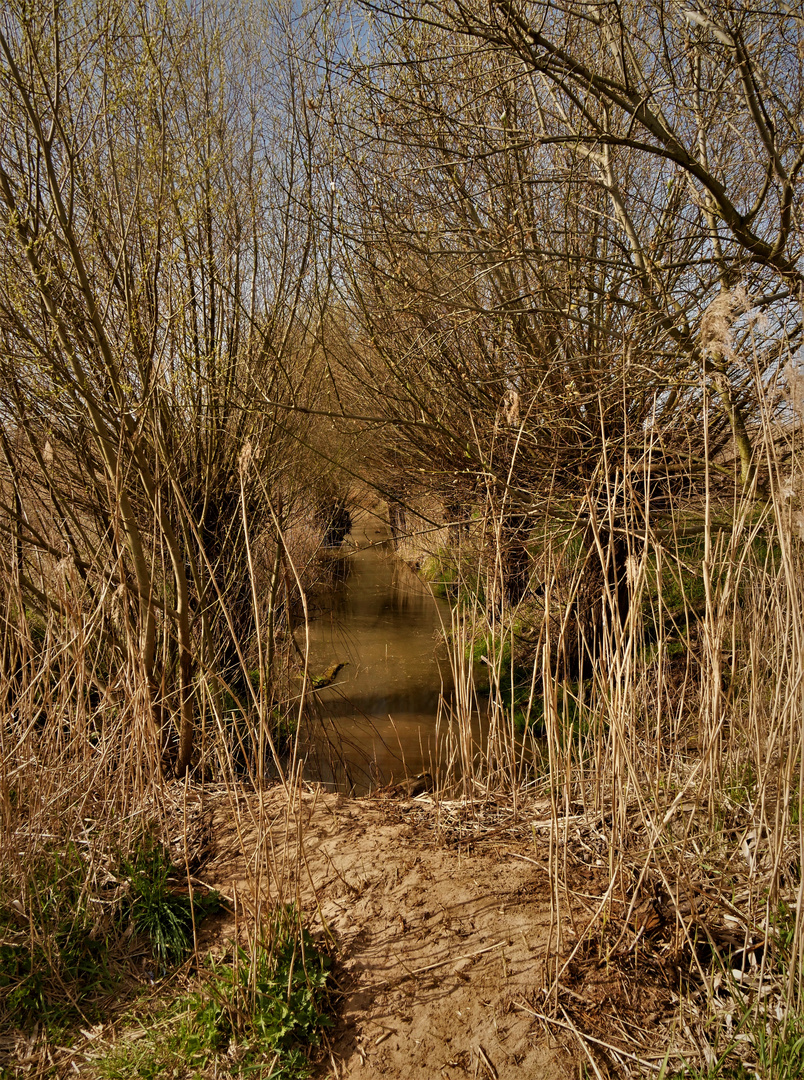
(100, 917)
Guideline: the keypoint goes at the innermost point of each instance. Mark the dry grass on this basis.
(85, 790)
(668, 781)
(672, 774)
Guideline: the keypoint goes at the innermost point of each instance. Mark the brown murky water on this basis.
(378, 720)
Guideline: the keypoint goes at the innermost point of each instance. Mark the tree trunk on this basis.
(600, 606)
(514, 557)
(397, 521)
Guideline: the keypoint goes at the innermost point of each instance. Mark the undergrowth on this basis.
(752, 1032)
(158, 911)
(253, 1014)
(759, 1047)
(66, 929)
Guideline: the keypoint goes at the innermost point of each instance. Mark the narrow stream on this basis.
(377, 721)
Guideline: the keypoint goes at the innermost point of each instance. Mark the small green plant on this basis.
(61, 941)
(765, 1039)
(241, 722)
(254, 1014)
(768, 1048)
(21, 981)
(574, 719)
(164, 915)
(441, 572)
(62, 945)
(284, 725)
(740, 786)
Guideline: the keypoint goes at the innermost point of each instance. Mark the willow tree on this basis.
(686, 123)
(503, 334)
(553, 280)
(152, 285)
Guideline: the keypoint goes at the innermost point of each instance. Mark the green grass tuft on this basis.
(255, 1016)
(164, 915)
(65, 946)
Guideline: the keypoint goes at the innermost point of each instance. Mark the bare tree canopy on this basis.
(565, 216)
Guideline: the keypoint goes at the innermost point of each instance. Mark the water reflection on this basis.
(379, 717)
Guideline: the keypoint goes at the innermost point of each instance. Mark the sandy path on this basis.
(437, 944)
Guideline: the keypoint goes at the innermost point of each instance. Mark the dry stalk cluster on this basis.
(661, 739)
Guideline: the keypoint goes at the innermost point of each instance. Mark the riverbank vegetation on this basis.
(528, 277)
